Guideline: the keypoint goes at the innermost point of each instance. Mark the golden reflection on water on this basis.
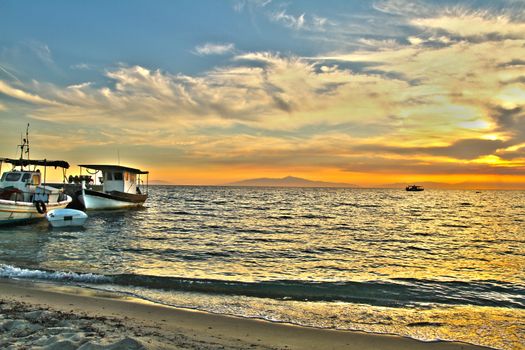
(258, 235)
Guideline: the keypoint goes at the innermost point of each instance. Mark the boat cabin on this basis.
(26, 186)
(20, 179)
(117, 178)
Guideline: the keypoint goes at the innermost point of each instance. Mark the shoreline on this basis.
(85, 318)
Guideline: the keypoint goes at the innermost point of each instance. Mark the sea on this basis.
(431, 265)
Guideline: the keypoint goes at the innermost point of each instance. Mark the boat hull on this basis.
(94, 200)
(66, 217)
(17, 212)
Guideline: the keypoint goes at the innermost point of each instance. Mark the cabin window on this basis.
(109, 176)
(132, 177)
(36, 180)
(13, 176)
(127, 176)
(26, 177)
(118, 176)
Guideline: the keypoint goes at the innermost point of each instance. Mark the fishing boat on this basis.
(120, 188)
(414, 188)
(24, 197)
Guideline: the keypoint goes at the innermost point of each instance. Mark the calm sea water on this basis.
(430, 265)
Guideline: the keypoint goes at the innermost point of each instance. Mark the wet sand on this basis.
(45, 316)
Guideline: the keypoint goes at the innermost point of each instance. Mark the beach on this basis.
(44, 316)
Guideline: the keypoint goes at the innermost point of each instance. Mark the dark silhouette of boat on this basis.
(414, 188)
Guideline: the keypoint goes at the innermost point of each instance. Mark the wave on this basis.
(8, 271)
(399, 292)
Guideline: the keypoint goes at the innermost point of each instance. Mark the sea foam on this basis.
(9, 271)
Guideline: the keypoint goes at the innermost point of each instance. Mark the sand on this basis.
(45, 316)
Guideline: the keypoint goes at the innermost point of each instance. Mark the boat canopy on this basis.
(43, 162)
(104, 167)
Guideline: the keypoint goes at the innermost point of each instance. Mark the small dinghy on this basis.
(66, 217)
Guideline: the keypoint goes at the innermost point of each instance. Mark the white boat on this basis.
(23, 196)
(120, 188)
(66, 217)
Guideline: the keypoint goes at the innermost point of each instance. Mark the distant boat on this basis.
(24, 197)
(120, 188)
(414, 188)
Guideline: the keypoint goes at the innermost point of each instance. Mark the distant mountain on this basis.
(288, 181)
(159, 182)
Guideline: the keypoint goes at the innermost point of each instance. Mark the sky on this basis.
(210, 92)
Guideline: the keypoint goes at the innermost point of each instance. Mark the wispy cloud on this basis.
(24, 96)
(41, 50)
(413, 8)
(279, 13)
(295, 22)
(8, 73)
(467, 149)
(214, 49)
(303, 21)
(240, 5)
(82, 66)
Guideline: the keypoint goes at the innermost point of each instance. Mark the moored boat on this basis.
(24, 197)
(120, 188)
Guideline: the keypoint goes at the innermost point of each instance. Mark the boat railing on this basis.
(45, 194)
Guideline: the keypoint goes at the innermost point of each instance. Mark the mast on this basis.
(24, 147)
(27, 141)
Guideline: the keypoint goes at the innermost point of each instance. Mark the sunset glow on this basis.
(206, 92)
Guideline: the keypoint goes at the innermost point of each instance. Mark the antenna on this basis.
(21, 145)
(27, 141)
(118, 156)
(24, 146)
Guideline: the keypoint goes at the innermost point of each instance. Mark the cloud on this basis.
(384, 165)
(331, 151)
(82, 66)
(313, 23)
(510, 121)
(294, 22)
(24, 96)
(465, 149)
(213, 49)
(8, 73)
(240, 5)
(403, 7)
(262, 90)
(450, 85)
(41, 50)
(278, 12)
(516, 154)
(518, 63)
(475, 25)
